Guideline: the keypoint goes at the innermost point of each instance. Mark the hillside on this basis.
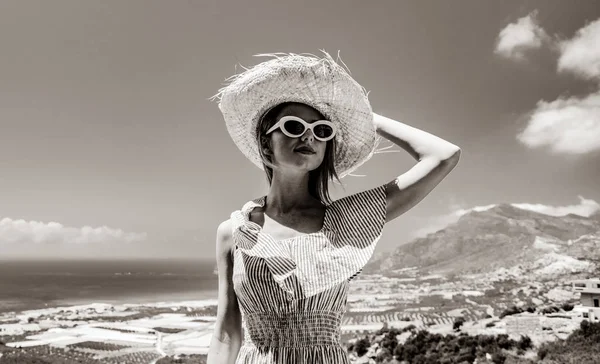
(502, 237)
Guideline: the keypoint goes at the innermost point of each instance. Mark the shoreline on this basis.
(8, 307)
(107, 305)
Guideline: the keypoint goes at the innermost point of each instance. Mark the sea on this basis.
(27, 285)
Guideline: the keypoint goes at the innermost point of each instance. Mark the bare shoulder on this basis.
(224, 237)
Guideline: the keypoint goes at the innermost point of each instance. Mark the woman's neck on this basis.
(288, 193)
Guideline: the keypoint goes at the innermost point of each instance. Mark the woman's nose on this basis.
(308, 135)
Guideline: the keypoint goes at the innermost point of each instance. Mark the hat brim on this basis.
(318, 82)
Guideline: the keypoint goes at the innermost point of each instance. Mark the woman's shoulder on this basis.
(225, 236)
(371, 199)
(225, 228)
(237, 218)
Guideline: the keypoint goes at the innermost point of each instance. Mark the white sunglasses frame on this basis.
(307, 126)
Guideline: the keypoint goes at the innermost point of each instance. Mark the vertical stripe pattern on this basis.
(293, 292)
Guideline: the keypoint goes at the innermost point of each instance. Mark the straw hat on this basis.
(318, 82)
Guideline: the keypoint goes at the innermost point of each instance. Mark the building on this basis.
(590, 298)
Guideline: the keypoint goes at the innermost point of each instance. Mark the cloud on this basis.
(461, 212)
(570, 125)
(27, 232)
(581, 54)
(565, 125)
(585, 208)
(516, 38)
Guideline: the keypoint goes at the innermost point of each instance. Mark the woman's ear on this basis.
(266, 146)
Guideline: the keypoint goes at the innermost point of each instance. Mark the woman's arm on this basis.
(436, 159)
(227, 337)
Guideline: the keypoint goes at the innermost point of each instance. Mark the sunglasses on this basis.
(295, 127)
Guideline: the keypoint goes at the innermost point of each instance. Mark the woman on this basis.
(285, 259)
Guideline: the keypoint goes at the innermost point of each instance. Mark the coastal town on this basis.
(130, 333)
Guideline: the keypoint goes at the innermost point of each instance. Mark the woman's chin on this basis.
(309, 164)
(302, 166)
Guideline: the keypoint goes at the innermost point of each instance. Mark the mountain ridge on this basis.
(501, 236)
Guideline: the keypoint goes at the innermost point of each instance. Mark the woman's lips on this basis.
(304, 151)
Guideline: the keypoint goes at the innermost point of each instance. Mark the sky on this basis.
(110, 147)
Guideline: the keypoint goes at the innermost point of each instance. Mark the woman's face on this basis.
(285, 149)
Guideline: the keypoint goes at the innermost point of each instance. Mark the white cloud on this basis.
(581, 54)
(461, 212)
(518, 37)
(565, 125)
(584, 208)
(27, 232)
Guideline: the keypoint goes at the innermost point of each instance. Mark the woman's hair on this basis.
(318, 179)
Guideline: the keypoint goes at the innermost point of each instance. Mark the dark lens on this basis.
(323, 131)
(294, 127)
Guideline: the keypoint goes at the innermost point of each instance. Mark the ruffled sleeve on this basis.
(313, 263)
(358, 222)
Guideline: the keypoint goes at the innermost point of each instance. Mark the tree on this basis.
(505, 342)
(362, 346)
(567, 307)
(409, 352)
(511, 311)
(384, 355)
(524, 343)
(498, 358)
(398, 352)
(458, 323)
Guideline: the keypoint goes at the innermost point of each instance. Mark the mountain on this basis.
(500, 237)
(596, 216)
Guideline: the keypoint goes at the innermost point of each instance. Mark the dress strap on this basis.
(239, 218)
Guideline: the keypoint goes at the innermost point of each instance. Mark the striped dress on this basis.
(293, 293)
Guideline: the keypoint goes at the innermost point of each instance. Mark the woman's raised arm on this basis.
(436, 159)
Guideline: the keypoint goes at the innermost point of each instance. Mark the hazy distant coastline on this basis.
(38, 284)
